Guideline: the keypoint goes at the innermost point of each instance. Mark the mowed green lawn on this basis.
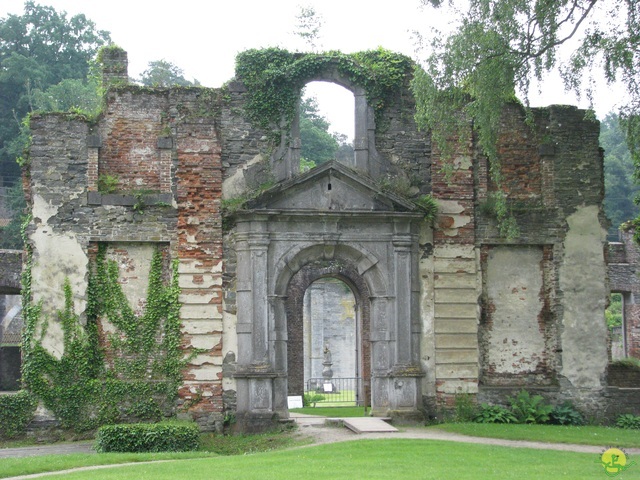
(388, 458)
(375, 459)
(581, 435)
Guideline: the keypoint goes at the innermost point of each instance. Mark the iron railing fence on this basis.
(336, 391)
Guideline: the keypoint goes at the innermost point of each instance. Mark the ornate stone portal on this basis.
(335, 221)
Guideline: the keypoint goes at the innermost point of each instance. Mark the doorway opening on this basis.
(10, 340)
(331, 345)
(616, 325)
(328, 328)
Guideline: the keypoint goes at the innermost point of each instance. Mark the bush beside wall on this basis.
(148, 437)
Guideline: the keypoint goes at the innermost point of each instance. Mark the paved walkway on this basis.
(317, 428)
(55, 449)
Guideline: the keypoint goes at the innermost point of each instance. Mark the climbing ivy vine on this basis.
(134, 374)
(274, 78)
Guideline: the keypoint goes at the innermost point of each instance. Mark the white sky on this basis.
(203, 37)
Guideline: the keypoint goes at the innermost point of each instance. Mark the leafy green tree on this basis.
(613, 314)
(10, 236)
(318, 145)
(620, 190)
(69, 94)
(499, 46)
(38, 50)
(162, 73)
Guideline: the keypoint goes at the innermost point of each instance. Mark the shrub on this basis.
(530, 409)
(16, 411)
(310, 399)
(628, 421)
(566, 414)
(629, 362)
(466, 408)
(148, 437)
(107, 183)
(494, 414)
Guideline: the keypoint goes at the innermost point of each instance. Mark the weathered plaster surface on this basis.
(236, 184)
(58, 257)
(134, 265)
(515, 342)
(584, 353)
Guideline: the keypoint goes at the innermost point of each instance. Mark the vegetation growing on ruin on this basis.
(134, 375)
(16, 411)
(274, 78)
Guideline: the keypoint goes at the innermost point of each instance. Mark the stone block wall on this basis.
(455, 275)
(404, 153)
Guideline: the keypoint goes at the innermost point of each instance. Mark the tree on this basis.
(162, 73)
(318, 145)
(499, 46)
(308, 26)
(39, 49)
(620, 190)
(69, 94)
(10, 235)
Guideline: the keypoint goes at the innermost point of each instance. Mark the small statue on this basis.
(327, 355)
(327, 373)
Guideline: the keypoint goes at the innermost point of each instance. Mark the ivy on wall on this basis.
(274, 78)
(134, 375)
(16, 411)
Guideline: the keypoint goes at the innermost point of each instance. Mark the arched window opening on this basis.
(326, 124)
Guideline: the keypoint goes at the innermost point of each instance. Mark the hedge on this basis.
(148, 437)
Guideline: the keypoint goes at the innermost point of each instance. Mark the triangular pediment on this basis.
(333, 187)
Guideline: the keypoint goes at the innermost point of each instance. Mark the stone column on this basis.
(405, 373)
(361, 140)
(255, 373)
(402, 265)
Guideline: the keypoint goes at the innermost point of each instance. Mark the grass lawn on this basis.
(388, 458)
(585, 435)
(210, 445)
(375, 459)
(332, 411)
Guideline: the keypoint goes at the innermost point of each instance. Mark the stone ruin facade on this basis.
(441, 308)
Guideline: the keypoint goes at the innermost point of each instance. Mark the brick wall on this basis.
(148, 144)
(623, 278)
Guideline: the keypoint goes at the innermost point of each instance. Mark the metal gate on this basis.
(336, 392)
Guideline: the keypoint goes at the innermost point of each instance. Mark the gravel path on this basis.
(56, 449)
(327, 434)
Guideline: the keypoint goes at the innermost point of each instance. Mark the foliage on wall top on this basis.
(274, 78)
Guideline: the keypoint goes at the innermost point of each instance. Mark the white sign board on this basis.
(295, 401)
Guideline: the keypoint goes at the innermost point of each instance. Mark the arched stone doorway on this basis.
(328, 222)
(298, 286)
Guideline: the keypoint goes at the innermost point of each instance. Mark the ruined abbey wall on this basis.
(452, 307)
